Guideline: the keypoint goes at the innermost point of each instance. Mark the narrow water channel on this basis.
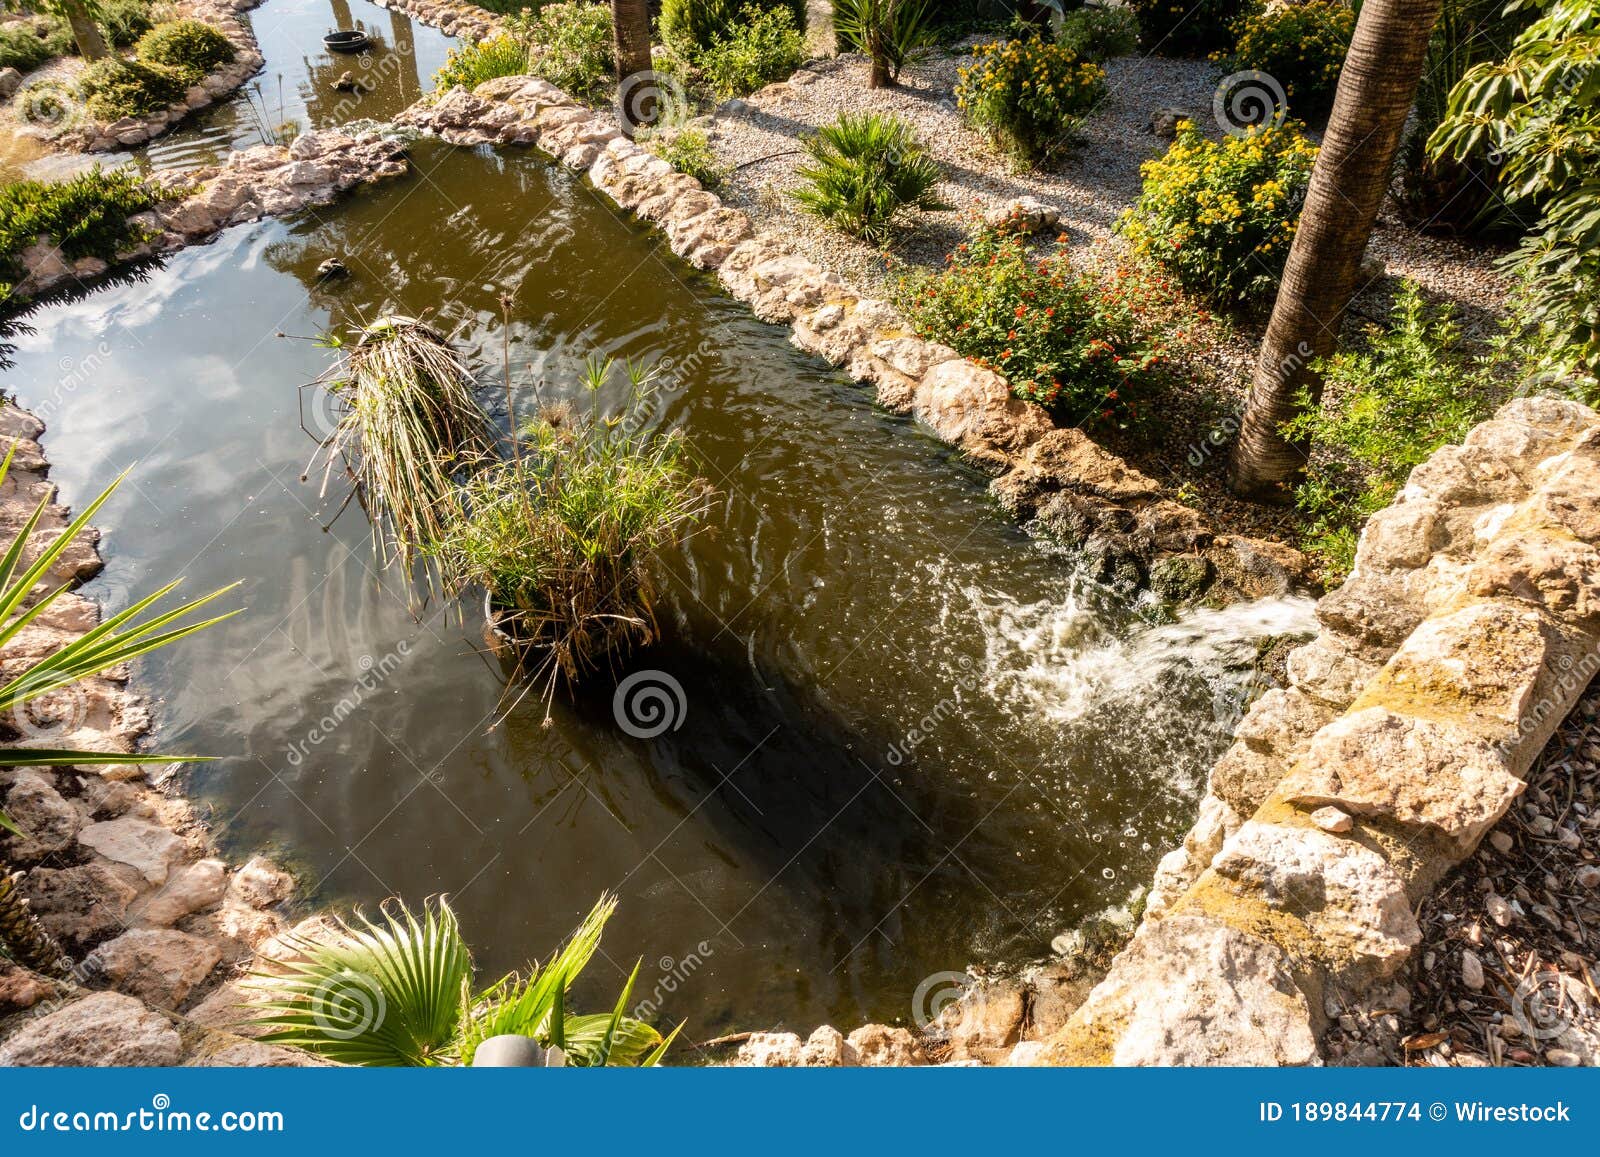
(911, 738)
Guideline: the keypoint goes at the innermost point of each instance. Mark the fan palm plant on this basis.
(887, 32)
(866, 170)
(397, 992)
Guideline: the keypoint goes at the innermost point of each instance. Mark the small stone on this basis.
(1471, 970)
(1502, 842)
(1588, 876)
(880, 1046)
(331, 268)
(1565, 1058)
(827, 1048)
(1331, 819)
(1499, 909)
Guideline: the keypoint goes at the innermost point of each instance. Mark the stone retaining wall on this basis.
(120, 874)
(1466, 633)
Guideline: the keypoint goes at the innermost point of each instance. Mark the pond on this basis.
(904, 735)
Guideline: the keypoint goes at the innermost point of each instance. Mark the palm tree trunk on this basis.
(91, 45)
(637, 98)
(1376, 91)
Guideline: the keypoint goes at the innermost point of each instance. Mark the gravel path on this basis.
(1091, 187)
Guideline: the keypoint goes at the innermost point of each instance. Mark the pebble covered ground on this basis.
(1091, 187)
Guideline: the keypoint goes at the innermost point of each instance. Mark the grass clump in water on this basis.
(409, 423)
(564, 533)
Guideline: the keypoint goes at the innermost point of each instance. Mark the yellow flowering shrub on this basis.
(1221, 215)
(1028, 94)
(1302, 47)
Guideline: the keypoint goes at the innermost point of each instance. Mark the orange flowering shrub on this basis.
(1058, 337)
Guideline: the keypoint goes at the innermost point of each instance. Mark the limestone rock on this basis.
(49, 823)
(160, 966)
(827, 1048)
(1026, 216)
(1191, 991)
(1374, 762)
(192, 889)
(1350, 899)
(104, 1029)
(80, 905)
(771, 1050)
(987, 1018)
(150, 848)
(880, 1046)
(261, 883)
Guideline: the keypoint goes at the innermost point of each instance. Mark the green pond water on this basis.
(908, 736)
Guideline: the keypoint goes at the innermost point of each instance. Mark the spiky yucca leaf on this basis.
(115, 641)
(384, 994)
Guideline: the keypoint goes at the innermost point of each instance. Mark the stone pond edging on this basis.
(100, 136)
(118, 872)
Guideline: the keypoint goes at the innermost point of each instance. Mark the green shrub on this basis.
(1059, 339)
(124, 21)
(87, 216)
(189, 48)
(1301, 46)
(473, 64)
(866, 170)
(114, 88)
(1189, 27)
(1097, 34)
(1221, 215)
(688, 26)
(886, 32)
(1386, 409)
(570, 45)
(1028, 95)
(766, 48)
(689, 151)
(25, 47)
